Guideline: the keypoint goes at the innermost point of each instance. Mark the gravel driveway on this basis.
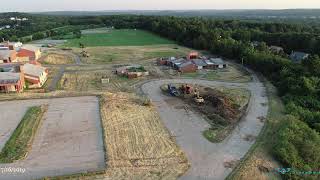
(69, 140)
(208, 160)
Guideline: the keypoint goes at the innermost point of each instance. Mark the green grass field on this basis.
(124, 37)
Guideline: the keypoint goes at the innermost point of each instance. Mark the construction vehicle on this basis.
(186, 89)
(172, 90)
(85, 54)
(197, 98)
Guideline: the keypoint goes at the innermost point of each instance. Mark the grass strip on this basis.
(17, 147)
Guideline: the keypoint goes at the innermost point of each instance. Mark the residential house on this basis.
(165, 61)
(298, 56)
(28, 53)
(132, 71)
(218, 63)
(199, 63)
(7, 56)
(276, 49)
(11, 78)
(35, 75)
(175, 63)
(187, 67)
(11, 45)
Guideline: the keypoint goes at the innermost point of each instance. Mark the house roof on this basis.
(34, 70)
(278, 48)
(297, 56)
(217, 61)
(208, 62)
(187, 63)
(178, 60)
(199, 62)
(25, 53)
(4, 54)
(9, 77)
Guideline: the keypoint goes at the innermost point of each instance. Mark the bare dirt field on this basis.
(138, 144)
(91, 81)
(58, 58)
(69, 140)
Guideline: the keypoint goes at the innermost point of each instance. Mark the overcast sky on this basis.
(91, 5)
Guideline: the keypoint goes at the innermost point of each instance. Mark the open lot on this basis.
(69, 140)
(130, 54)
(123, 37)
(57, 58)
(232, 73)
(138, 144)
(210, 160)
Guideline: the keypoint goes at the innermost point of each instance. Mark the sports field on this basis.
(124, 37)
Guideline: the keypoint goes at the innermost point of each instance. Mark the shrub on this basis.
(298, 147)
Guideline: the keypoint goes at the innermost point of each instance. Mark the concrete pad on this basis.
(69, 140)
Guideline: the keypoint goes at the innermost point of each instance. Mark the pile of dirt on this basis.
(217, 107)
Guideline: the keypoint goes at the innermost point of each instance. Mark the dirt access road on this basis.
(69, 140)
(209, 160)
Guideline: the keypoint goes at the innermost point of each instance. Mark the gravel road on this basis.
(209, 160)
(69, 140)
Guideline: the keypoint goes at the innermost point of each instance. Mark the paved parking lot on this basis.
(69, 140)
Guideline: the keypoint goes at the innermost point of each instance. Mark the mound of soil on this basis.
(218, 107)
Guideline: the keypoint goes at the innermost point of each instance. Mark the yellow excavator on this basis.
(197, 98)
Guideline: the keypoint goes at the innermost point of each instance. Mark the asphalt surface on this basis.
(69, 140)
(208, 160)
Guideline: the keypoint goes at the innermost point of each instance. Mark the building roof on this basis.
(9, 77)
(25, 53)
(33, 70)
(5, 54)
(298, 56)
(276, 47)
(217, 61)
(184, 64)
(208, 62)
(178, 61)
(199, 62)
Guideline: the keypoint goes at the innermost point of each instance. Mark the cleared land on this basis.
(20, 142)
(210, 160)
(131, 54)
(123, 37)
(138, 145)
(91, 81)
(58, 58)
(232, 73)
(69, 140)
(222, 108)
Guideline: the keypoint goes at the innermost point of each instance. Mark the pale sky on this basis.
(92, 5)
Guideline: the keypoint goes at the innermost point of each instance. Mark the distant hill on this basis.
(287, 13)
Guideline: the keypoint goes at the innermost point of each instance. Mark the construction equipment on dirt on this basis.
(197, 98)
(186, 89)
(173, 90)
(85, 54)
